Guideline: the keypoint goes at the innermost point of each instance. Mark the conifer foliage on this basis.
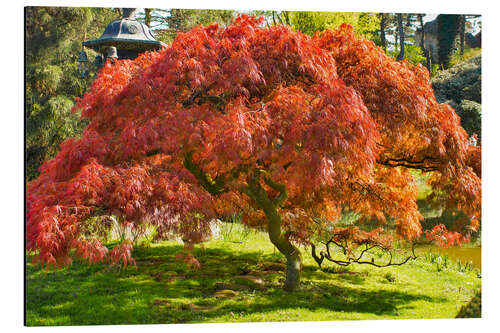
(287, 129)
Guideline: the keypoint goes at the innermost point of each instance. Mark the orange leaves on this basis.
(416, 132)
(354, 237)
(330, 118)
(187, 256)
(399, 97)
(474, 159)
(445, 238)
(122, 253)
(91, 250)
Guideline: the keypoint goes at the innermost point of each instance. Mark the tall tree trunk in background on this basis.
(396, 38)
(382, 31)
(287, 17)
(147, 16)
(422, 44)
(278, 15)
(462, 34)
(448, 37)
(401, 30)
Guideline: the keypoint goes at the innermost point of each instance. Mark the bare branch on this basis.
(357, 260)
(412, 164)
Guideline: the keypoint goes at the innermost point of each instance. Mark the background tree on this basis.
(383, 23)
(365, 24)
(401, 32)
(286, 129)
(462, 23)
(460, 87)
(53, 40)
(448, 36)
(428, 63)
(167, 23)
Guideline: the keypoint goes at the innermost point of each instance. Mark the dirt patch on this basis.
(272, 266)
(201, 308)
(230, 286)
(225, 293)
(252, 278)
(156, 276)
(161, 302)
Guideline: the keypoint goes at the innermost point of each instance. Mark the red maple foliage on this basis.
(287, 129)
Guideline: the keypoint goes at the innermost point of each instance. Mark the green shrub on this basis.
(413, 54)
(461, 82)
(470, 114)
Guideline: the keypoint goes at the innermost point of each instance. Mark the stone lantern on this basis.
(124, 39)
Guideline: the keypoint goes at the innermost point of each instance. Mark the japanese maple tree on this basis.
(287, 129)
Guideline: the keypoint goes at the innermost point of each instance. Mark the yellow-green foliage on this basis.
(413, 54)
(365, 24)
(468, 54)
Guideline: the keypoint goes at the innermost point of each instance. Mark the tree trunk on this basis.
(382, 31)
(422, 44)
(270, 208)
(287, 17)
(401, 29)
(291, 253)
(278, 15)
(462, 34)
(147, 16)
(448, 37)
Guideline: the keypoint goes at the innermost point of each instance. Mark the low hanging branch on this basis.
(357, 260)
(426, 164)
(351, 238)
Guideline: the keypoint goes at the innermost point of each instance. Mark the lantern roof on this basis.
(126, 34)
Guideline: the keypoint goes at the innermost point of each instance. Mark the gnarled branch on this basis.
(281, 188)
(412, 164)
(358, 259)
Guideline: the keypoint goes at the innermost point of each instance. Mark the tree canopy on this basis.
(288, 129)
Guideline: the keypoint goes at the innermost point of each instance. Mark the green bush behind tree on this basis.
(366, 24)
(53, 41)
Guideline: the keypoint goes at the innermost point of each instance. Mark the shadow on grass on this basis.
(163, 290)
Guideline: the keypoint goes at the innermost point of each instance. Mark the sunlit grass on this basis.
(163, 290)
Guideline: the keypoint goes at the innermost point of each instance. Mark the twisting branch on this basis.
(366, 189)
(215, 185)
(281, 188)
(202, 98)
(357, 260)
(319, 260)
(411, 164)
(216, 99)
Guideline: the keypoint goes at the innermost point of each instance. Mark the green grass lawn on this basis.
(163, 290)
